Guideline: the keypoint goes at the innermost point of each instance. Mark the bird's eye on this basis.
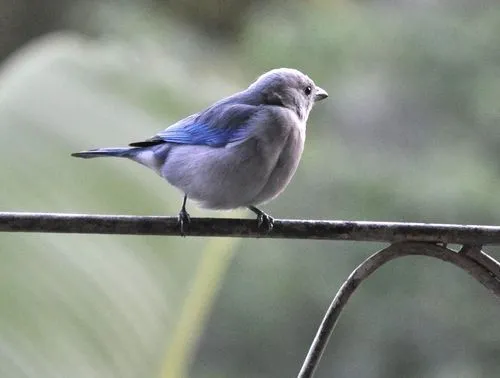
(308, 90)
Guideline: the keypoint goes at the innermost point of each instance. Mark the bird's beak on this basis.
(320, 94)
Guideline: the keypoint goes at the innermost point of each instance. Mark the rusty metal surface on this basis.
(290, 229)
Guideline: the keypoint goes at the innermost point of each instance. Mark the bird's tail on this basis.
(99, 152)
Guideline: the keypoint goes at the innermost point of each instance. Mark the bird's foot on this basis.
(265, 222)
(183, 220)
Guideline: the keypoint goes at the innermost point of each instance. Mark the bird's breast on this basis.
(285, 165)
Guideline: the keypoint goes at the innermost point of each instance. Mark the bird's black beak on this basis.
(320, 94)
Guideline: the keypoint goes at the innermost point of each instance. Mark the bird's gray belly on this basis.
(218, 178)
(232, 177)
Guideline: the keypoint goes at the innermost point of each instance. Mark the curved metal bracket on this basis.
(470, 258)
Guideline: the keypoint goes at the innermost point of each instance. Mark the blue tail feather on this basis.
(99, 152)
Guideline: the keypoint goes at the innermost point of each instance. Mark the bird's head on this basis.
(289, 88)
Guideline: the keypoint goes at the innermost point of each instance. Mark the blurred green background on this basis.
(411, 132)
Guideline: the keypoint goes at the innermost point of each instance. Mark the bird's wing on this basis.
(215, 127)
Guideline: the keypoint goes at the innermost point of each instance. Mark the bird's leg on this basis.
(264, 221)
(184, 218)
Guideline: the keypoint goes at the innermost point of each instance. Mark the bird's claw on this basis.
(183, 220)
(265, 222)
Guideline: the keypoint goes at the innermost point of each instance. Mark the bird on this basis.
(242, 151)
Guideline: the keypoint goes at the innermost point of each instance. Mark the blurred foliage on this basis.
(410, 133)
(22, 20)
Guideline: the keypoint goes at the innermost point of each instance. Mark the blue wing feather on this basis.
(215, 127)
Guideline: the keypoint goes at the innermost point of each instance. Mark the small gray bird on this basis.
(241, 151)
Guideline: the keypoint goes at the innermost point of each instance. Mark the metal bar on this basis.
(462, 260)
(289, 229)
